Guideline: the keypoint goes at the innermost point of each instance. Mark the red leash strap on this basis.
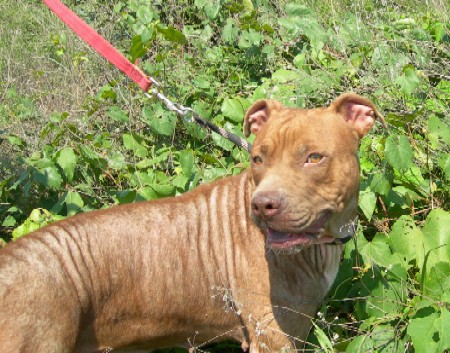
(98, 43)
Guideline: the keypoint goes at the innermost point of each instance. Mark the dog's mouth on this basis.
(281, 240)
(314, 234)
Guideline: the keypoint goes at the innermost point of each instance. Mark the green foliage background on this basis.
(76, 135)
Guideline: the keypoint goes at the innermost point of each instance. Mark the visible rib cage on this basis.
(130, 276)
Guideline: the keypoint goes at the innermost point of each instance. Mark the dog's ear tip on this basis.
(246, 128)
(258, 114)
(358, 112)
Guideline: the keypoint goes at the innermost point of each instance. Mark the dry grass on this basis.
(44, 68)
(31, 41)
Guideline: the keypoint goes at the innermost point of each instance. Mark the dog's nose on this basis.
(266, 204)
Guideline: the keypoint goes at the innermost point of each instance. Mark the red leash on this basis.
(105, 49)
(98, 43)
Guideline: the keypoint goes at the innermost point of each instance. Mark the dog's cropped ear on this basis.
(258, 114)
(358, 112)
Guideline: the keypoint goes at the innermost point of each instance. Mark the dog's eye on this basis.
(257, 160)
(314, 158)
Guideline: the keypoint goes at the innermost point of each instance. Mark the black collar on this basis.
(338, 241)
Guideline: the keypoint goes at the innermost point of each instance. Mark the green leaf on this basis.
(201, 82)
(378, 252)
(444, 329)
(130, 142)
(146, 36)
(413, 176)
(436, 233)
(323, 340)
(234, 108)
(403, 118)
(126, 196)
(367, 202)
(9, 221)
(144, 14)
(107, 92)
(38, 218)
(308, 26)
(214, 173)
(284, 76)
(116, 160)
(67, 160)
(250, 38)
(24, 229)
(180, 181)
(92, 157)
(385, 282)
(212, 9)
(187, 162)
(200, 3)
(300, 61)
(117, 114)
(172, 34)
(146, 193)
(386, 293)
(16, 140)
(437, 281)
(423, 333)
(398, 151)
(407, 240)
(230, 31)
(439, 129)
(138, 48)
(438, 32)
(74, 202)
(385, 338)
(248, 6)
(444, 164)
(360, 344)
(49, 176)
(142, 178)
(409, 80)
(380, 184)
(163, 190)
(352, 31)
(162, 123)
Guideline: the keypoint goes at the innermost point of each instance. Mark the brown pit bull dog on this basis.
(247, 258)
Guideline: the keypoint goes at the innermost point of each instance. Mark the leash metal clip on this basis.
(178, 108)
(189, 115)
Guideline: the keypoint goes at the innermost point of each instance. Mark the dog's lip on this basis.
(314, 234)
(278, 239)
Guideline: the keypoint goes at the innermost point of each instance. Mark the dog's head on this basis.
(304, 169)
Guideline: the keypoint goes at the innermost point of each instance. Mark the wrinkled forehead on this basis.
(318, 128)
